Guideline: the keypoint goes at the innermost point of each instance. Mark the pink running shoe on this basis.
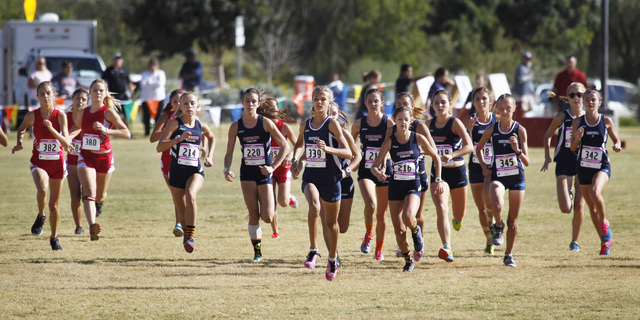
(332, 270)
(417, 255)
(605, 227)
(310, 263)
(604, 248)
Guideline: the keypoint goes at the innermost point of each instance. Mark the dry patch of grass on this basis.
(139, 270)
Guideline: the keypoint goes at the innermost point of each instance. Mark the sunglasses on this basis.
(573, 95)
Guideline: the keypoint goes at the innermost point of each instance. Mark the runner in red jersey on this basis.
(47, 160)
(282, 174)
(95, 163)
(80, 97)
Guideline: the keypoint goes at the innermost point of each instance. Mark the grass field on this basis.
(138, 269)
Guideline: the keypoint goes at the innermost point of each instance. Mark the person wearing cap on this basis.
(523, 89)
(117, 78)
(569, 75)
(191, 72)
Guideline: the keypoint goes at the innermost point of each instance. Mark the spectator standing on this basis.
(337, 86)
(117, 78)
(523, 89)
(373, 77)
(152, 87)
(564, 78)
(40, 74)
(64, 82)
(405, 79)
(191, 72)
(441, 81)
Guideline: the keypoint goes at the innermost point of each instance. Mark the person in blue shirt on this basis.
(191, 72)
(442, 81)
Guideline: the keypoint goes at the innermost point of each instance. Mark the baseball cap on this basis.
(526, 55)
(190, 52)
(117, 55)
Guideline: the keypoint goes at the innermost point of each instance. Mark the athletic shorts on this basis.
(55, 169)
(398, 190)
(282, 174)
(253, 173)
(566, 170)
(511, 183)
(347, 186)
(328, 192)
(455, 177)
(367, 174)
(72, 160)
(101, 162)
(475, 174)
(424, 182)
(585, 175)
(179, 175)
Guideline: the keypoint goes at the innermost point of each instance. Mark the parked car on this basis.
(623, 96)
(86, 67)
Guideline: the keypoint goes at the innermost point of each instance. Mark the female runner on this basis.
(404, 185)
(47, 160)
(510, 152)
(406, 99)
(282, 175)
(591, 132)
(452, 142)
(80, 97)
(183, 135)
(255, 135)
(482, 100)
(165, 159)
(322, 141)
(96, 163)
(372, 129)
(567, 160)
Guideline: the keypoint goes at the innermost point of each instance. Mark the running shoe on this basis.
(293, 201)
(332, 270)
(99, 208)
(489, 248)
(445, 254)
(606, 231)
(79, 230)
(36, 228)
(365, 247)
(573, 246)
(257, 258)
(408, 267)
(571, 200)
(189, 244)
(508, 261)
(177, 230)
(94, 230)
(604, 248)
(398, 253)
(417, 255)
(337, 260)
(457, 225)
(496, 237)
(310, 263)
(55, 244)
(379, 256)
(275, 235)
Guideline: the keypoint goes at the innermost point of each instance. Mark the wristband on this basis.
(225, 170)
(518, 154)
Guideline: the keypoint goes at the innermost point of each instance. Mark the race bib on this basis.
(274, 152)
(188, 154)
(568, 133)
(507, 165)
(254, 154)
(316, 157)
(591, 157)
(49, 149)
(370, 155)
(76, 145)
(91, 142)
(404, 170)
(487, 153)
(445, 150)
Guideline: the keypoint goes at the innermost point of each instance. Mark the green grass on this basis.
(139, 270)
